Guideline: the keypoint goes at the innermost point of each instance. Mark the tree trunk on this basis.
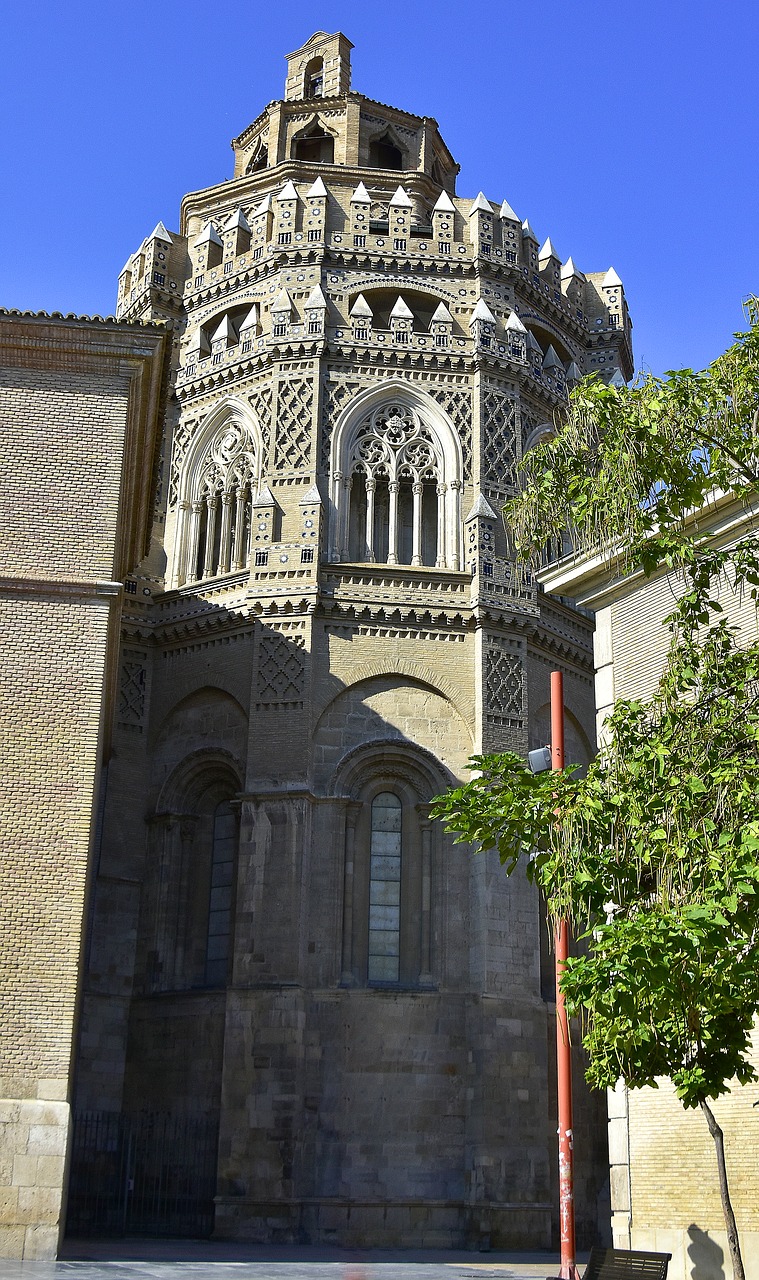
(727, 1208)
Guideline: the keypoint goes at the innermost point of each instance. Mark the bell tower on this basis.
(321, 69)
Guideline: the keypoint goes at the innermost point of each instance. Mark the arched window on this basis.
(218, 481)
(223, 851)
(384, 154)
(389, 890)
(315, 146)
(259, 160)
(313, 79)
(384, 949)
(396, 477)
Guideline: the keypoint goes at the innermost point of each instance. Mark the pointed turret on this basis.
(315, 213)
(481, 225)
(360, 203)
(400, 209)
(516, 338)
(482, 326)
(401, 322)
(250, 327)
(613, 294)
(315, 308)
(511, 232)
(443, 222)
(281, 314)
(361, 318)
(236, 232)
(529, 247)
(285, 215)
(159, 232)
(441, 326)
(207, 248)
(261, 222)
(573, 283)
(549, 264)
(224, 335)
(574, 374)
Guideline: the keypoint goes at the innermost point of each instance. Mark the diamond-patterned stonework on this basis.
(294, 415)
(499, 436)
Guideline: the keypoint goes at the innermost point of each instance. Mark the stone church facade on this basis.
(326, 627)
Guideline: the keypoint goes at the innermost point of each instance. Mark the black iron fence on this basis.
(152, 1173)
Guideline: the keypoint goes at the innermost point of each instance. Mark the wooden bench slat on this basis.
(626, 1264)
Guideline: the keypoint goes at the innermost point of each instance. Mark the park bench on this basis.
(626, 1264)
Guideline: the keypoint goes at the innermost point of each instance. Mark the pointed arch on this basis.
(220, 474)
(314, 143)
(396, 467)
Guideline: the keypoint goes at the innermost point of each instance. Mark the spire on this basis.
(611, 279)
(237, 221)
(316, 300)
(508, 213)
(209, 235)
(528, 232)
(481, 508)
(282, 302)
(400, 311)
(312, 498)
(514, 324)
(617, 379)
(160, 233)
(548, 251)
(444, 204)
(225, 332)
(573, 373)
(441, 312)
(361, 308)
(361, 195)
(263, 207)
(551, 360)
(482, 204)
(569, 269)
(400, 197)
(318, 189)
(251, 319)
(288, 192)
(482, 312)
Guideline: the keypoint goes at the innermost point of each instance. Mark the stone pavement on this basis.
(134, 1259)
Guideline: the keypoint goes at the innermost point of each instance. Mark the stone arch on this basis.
(435, 433)
(314, 142)
(383, 758)
(218, 478)
(414, 671)
(205, 725)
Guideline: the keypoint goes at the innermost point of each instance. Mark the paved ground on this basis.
(209, 1260)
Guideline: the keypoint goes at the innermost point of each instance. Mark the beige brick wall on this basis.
(75, 398)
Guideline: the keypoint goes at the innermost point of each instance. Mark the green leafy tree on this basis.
(653, 856)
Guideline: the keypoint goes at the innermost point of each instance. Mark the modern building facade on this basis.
(284, 948)
(664, 1184)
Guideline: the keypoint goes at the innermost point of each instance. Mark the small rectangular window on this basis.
(509, 255)
(401, 337)
(228, 268)
(198, 281)
(284, 237)
(130, 588)
(485, 248)
(314, 235)
(359, 242)
(218, 357)
(307, 555)
(247, 346)
(279, 330)
(361, 335)
(399, 245)
(259, 252)
(262, 559)
(159, 277)
(444, 247)
(487, 569)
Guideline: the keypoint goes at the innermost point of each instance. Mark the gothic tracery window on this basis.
(396, 490)
(215, 507)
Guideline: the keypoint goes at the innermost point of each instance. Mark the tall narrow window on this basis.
(220, 898)
(385, 889)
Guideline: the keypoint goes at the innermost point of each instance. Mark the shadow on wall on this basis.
(706, 1256)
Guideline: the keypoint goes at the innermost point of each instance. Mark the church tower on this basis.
(285, 948)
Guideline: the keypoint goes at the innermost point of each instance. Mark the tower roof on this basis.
(441, 312)
(482, 312)
(528, 232)
(444, 204)
(318, 189)
(400, 197)
(611, 279)
(514, 324)
(288, 192)
(508, 212)
(209, 235)
(400, 311)
(361, 308)
(361, 195)
(481, 204)
(547, 250)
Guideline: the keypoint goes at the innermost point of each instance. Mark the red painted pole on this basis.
(563, 1051)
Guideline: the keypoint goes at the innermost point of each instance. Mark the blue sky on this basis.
(625, 131)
